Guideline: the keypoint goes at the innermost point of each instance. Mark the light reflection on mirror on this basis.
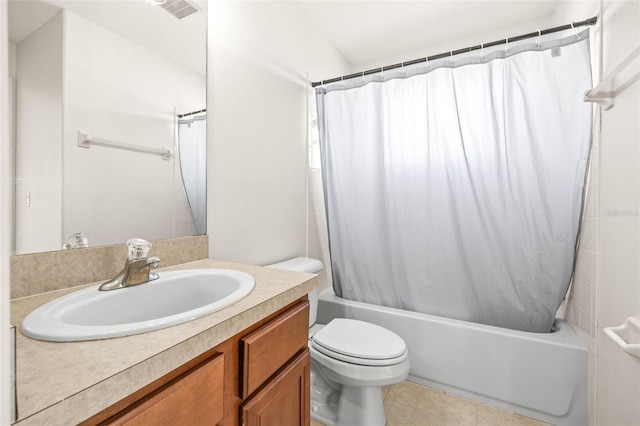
(121, 72)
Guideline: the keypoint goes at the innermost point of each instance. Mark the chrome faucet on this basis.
(137, 268)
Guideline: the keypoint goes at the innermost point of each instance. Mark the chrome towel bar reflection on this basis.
(85, 140)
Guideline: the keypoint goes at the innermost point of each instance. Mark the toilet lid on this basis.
(359, 339)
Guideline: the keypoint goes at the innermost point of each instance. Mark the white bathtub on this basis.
(538, 375)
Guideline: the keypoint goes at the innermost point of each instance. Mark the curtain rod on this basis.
(186, 114)
(574, 25)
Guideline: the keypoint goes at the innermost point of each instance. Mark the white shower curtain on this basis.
(454, 188)
(192, 143)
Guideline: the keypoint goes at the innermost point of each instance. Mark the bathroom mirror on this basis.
(97, 91)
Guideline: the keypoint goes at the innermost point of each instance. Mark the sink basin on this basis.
(174, 298)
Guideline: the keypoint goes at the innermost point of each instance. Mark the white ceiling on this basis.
(363, 31)
(181, 40)
(366, 31)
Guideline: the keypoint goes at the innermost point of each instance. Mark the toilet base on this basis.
(355, 407)
(340, 405)
(325, 396)
(361, 406)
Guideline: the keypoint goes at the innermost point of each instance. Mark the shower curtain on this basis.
(192, 145)
(454, 187)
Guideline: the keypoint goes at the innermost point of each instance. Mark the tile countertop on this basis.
(65, 383)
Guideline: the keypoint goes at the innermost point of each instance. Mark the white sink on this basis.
(174, 298)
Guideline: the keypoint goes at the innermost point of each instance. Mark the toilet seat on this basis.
(359, 342)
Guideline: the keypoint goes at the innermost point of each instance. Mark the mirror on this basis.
(107, 141)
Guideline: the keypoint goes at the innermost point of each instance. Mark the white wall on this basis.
(618, 373)
(606, 288)
(12, 60)
(5, 223)
(118, 90)
(39, 139)
(260, 55)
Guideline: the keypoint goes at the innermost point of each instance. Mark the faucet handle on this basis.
(138, 248)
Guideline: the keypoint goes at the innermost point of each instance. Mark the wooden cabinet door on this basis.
(270, 347)
(284, 401)
(193, 399)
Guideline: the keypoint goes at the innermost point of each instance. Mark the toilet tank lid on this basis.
(299, 264)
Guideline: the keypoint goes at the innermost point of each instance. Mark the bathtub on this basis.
(538, 375)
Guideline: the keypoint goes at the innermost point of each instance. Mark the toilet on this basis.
(350, 362)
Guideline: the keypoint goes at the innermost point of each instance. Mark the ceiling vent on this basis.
(179, 8)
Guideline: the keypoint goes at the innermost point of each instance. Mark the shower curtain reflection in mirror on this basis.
(192, 146)
(456, 190)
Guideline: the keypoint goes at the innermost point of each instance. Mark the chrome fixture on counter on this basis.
(137, 268)
(76, 241)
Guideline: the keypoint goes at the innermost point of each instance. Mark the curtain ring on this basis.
(538, 39)
(404, 74)
(482, 52)
(382, 73)
(506, 42)
(342, 80)
(363, 77)
(575, 30)
(426, 60)
(451, 56)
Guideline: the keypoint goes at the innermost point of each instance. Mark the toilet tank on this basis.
(304, 264)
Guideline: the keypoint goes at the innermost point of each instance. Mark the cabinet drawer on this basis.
(195, 398)
(267, 349)
(284, 401)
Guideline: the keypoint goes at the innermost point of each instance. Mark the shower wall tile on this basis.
(317, 237)
(594, 171)
(581, 310)
(315, 180)
(580, 313)
(591, 388)
(316, 203)
(593, 195)
(313, 222)
(585, 324)
(41, 272)
(589, 238)
(576, 291)
(594, 303)
(584, 316)
(587, 265)
(572, 315)
(586, 291)
(314, 243)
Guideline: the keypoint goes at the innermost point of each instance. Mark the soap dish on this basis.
(627, 335)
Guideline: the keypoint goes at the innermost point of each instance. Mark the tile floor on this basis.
(408, 404)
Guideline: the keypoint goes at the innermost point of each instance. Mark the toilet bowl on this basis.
(350, 362)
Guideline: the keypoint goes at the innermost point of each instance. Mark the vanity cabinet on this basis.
(267, 349)
(284, 401)
(194, 398)
(275, 371)
(260, 376)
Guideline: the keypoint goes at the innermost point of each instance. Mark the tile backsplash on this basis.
(42, 272)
